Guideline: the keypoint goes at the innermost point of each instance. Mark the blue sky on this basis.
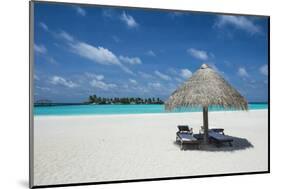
(119, 52)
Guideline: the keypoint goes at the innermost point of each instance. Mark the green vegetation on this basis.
(94, 99)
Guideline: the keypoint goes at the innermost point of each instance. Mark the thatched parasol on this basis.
(206, 88)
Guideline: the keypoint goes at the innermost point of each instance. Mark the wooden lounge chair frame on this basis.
(185, 128)
(192, 140)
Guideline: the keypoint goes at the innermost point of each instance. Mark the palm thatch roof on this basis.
(205, 88)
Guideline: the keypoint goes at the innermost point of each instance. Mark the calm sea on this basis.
(122, 109)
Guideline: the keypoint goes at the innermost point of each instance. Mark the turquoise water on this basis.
(121, 109)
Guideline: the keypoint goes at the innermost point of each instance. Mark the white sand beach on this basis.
(75, 149)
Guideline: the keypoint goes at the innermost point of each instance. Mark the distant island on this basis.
(94, 99)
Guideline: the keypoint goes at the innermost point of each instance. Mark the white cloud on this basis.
(80, 11)
(57, 80)
(102, 85)
(243, 72)
(264, 70)
(180, 75)
(151, 53)
(97, 81)
(133, 60)
(199, 54)
(133, 81)
(43, 88)
(36, 77)
(51, 60)
(40, 49)
(99, 77)
(186, 73)
(145, 75)
(173, 71)
(44, 26)
(64, 35)
(125, 69)
(178, 79)
(95, 76)
(128, 20)
(239, 22)
(99, 55)
(162, 76)
(155, 85)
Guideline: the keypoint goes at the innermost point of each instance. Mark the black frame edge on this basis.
(146, 180)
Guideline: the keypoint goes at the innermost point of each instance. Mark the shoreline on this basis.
(148, 114)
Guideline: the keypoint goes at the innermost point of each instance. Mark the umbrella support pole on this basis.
(206, 124)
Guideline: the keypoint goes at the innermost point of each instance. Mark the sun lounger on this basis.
(217, 130)
(219, 138)
(186, 138)
(185, 128)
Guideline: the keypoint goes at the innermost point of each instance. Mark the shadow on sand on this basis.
(237, 144)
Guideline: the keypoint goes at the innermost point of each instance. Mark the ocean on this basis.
(122, 109)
